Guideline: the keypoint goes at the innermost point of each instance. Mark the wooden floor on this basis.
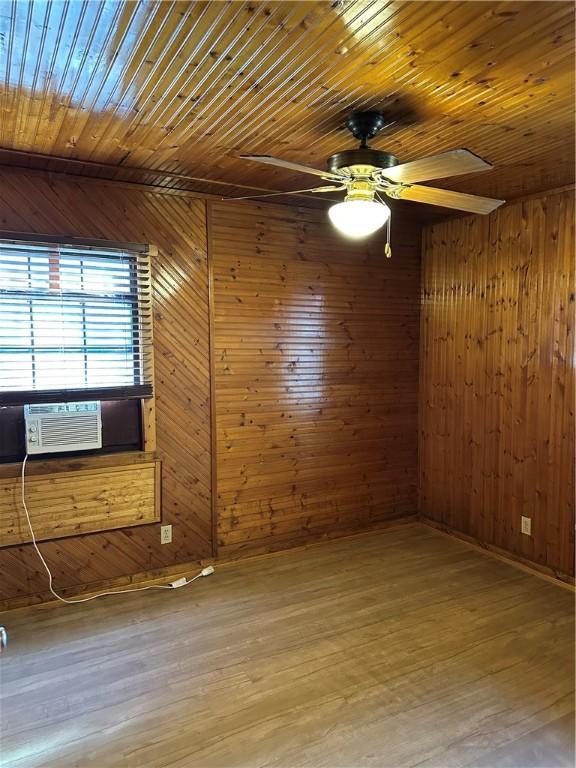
(398, 648)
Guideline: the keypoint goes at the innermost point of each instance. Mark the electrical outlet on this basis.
(165, 534)
(526, 525)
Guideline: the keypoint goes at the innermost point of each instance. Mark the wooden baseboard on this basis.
(240, 556)
(142, 578)
(163, 575)
(536, 569)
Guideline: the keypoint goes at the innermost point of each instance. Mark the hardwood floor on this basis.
(392, 649)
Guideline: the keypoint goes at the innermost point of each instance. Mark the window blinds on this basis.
(75, 323)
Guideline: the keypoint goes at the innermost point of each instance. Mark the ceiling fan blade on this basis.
(454, 163)
(291, 192)
(291, 166)
(449, 199)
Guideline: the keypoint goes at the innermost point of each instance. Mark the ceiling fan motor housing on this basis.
(365, 125)
(362, 161)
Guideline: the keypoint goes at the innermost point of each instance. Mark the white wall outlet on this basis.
(526, 525)
(165, 534)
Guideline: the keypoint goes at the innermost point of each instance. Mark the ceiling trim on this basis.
(23, 156)
(284, 201)
(542, 193)
(152, 188)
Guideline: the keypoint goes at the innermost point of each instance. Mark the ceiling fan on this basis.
(366, 174)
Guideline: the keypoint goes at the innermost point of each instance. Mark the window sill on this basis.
(75, 463)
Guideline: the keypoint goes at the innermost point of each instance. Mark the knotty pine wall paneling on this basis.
(497, 378)
(316, 376)
(176, 225)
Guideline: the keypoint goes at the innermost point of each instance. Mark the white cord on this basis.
(180, 582)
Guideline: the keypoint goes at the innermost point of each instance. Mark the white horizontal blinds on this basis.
(73, 321)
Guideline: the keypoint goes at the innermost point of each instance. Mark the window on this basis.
(75, 322)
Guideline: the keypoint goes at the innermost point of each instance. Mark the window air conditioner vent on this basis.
(61, 427)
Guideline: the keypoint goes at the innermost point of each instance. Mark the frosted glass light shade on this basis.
(358, 218)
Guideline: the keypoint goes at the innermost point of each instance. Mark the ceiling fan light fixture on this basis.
(358, 218)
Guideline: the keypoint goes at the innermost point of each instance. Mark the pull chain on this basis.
(387, 248)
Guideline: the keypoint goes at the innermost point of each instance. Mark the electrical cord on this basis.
(182, 582)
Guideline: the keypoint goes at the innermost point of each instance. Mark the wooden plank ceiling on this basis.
(184, 87)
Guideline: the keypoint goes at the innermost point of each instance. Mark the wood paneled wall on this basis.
(176, 224)
(316, 375)
(497, 378)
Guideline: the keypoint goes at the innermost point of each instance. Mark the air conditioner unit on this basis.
(60, 427)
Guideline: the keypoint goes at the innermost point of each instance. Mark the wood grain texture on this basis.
(177, 226)
(316, 373)
(497, 378)
(386, 650)
(82, 501)
(185, 87)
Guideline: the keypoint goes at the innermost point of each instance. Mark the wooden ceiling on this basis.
(180, 89)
